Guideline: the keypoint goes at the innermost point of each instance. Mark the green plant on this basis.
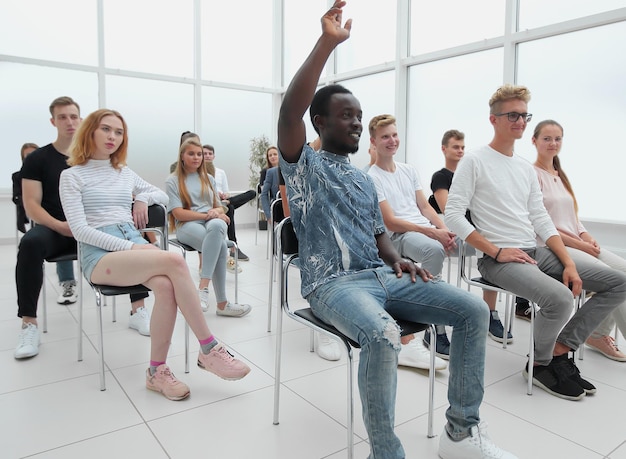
(258, 147)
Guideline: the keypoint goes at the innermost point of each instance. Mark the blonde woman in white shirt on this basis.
(97, 196)
(561, 204)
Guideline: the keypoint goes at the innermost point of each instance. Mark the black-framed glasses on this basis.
(514, 116)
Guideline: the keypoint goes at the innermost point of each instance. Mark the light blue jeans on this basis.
(542, 284)
(209, 237)
(362, 306)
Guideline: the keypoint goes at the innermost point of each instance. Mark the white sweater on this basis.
(504, 198)
(95, 194)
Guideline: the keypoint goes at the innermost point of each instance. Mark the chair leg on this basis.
(531, 349)
(350, 421)
(431, 384)
(270, 296)
(186, 346)
(580, 300)
(44, 302)
(100, 338)
(279, 345)
(80, 311)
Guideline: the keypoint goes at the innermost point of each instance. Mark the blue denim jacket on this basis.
(335, 214)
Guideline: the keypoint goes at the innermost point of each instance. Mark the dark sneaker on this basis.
(442, 345)
(554, 380)
(523, 310)
(568, 366)
(242, 256)
(496, 330)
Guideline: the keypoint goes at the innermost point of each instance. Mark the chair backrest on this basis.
(276, 209)
(288, 239)
(157, 222)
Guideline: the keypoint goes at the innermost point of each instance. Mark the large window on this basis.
(537, 13)
(25, 95)
(583, 89)
(449, 94)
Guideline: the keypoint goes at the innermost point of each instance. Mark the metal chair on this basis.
(157, 223)
(69, 256)
(287, 250)
(277, 215)
(508, 315)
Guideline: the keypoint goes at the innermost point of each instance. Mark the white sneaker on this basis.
(68, 295)
(327, 347)
(234, 310)
(28, 343)
(204, 299)
(414, 354)
(140, 321)
(477, 446)
(230, 266)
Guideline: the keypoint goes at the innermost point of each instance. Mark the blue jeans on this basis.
(362, 306)
(65, 271)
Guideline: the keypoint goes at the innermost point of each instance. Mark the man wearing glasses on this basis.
(502, 192)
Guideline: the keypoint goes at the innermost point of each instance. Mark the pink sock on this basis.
(155, 364)
(207, 340)
(207, 344)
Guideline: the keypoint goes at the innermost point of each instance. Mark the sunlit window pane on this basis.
(537, 13)
(373, 36)
(153, 36)
(157, 112)
(64, 30)
(444, 24)
(230, 119)
(237, 41)
(441, 97)
(25, 95)
(583, 89)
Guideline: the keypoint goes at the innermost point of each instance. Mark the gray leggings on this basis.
(208, 237)
(541, 283)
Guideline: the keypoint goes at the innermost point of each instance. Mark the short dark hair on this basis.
(187, 135)
(209, 147)
(321, 100)
(62, 101)
(451, 134)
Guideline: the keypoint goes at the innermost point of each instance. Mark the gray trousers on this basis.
(542, 284)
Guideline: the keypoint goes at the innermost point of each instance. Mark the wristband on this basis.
(497, 254)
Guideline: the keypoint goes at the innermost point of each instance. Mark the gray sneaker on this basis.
(234, 310)
(68, 295)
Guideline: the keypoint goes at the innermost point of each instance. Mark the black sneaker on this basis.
(242, 256)
(442, 345)
(496, 330)
(523, 310)
(554, 380)
(569, 367)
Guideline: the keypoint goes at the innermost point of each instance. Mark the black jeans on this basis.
(235, 202)
(39, 243)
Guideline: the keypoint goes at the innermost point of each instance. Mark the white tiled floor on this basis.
(51, 405)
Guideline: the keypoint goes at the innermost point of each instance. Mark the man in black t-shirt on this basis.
(51, 235)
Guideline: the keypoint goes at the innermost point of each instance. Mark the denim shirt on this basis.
(335, 214)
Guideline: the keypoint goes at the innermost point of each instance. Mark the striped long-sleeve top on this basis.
(95, 194)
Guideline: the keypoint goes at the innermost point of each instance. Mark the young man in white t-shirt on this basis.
(415, 229)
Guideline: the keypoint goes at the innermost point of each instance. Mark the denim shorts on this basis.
(90, 255)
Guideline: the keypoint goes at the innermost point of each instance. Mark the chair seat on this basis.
(62, 257)
(109, 290)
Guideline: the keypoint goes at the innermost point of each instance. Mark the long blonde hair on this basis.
(181, 175)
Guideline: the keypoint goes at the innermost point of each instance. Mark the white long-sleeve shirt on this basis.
(504, 198)
(95, 194)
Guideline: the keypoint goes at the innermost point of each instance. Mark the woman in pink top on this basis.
(560, 202)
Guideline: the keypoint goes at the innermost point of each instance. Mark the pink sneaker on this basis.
(223, 364)
(164, 381)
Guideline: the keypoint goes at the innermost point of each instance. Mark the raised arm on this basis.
(291, 128)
